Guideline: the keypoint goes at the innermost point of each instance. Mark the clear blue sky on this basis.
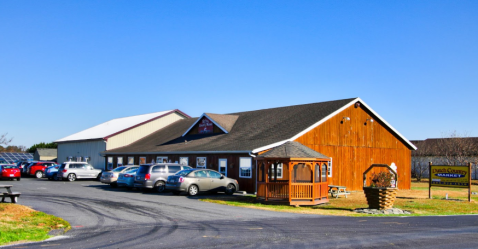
(68, 65)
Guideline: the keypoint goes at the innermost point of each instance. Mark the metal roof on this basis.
(115, 126)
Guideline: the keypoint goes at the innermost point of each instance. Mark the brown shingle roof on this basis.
(225, 121)
(251, 130)
(292, 149)
(443, 146)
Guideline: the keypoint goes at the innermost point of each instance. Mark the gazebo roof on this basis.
(292, 150)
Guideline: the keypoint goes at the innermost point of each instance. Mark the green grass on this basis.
(414, 200)
(19, 223)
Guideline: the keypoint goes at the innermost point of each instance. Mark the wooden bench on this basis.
(13, 196)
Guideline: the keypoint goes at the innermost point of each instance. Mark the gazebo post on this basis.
(312, 166)
(266, 171)
(290, 182)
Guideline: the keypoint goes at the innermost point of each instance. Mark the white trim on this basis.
(329, 172)
(210, 119)
(329, 117)
(219, 165)
(104, 153)
(245, 167)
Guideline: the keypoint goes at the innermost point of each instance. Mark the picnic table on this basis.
(336, 190)
(13, 195)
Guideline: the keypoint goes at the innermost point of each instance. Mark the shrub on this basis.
(381, 180)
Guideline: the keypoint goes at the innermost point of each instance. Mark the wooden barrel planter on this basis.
(380, 197)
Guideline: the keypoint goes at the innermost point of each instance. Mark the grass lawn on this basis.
(22, 224)
(414, 200)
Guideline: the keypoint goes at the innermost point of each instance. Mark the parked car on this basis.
(25, 168)
(154, 176)
(36, 169)
(21, 164)
(75, 170)
(10, 171)
(110, 177)
(193, 181)
(126, 179)
(52, 172)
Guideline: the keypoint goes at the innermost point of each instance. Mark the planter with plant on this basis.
(382, 192)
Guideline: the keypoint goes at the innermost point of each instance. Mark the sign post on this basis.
(430, 180)
(450, 176)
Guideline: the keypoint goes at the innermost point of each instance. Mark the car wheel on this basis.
(49, 179)
(55, 178)
(71, 177)
(159, 186)
(176, 192)
(114, 185)
(18, 179)
(38, 174)
(193, 190)
(230, 189)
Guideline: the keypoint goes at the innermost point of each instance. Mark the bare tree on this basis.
(4, 140)
(457, 149)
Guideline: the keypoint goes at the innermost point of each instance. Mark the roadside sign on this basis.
(449, 176)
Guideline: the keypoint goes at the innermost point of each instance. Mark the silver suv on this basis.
(151, 176)
(77, 170)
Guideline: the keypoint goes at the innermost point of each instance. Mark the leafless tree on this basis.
(4, 140)
(457, 149)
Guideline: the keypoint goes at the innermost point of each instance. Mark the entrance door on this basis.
(223, 166)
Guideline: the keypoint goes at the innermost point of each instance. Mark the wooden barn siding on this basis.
(354, 146)
(212, 161)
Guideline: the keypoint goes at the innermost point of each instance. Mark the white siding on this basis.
(141, 131)
(84, 149)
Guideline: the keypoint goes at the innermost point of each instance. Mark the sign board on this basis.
(450, 176)
(205, 126)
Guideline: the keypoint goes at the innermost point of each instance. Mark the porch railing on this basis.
(280, 190)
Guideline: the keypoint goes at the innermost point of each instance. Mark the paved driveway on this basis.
(103, 217)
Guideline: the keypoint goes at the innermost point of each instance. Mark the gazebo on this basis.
(292, 173)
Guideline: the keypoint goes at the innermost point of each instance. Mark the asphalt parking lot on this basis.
(104, 217)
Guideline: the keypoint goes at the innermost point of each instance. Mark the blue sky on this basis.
(68, 65)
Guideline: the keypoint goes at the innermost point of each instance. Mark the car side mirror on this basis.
(222, 177)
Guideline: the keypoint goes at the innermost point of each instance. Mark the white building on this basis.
(87, 145)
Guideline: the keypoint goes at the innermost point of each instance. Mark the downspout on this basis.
(255, 184)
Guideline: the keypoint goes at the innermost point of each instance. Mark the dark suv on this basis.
(155, 176)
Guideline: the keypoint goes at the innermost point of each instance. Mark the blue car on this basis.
(51, 172)
(126, 179)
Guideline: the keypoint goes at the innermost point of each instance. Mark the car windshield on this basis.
(9, 166)
(131, 171)
(119, 169)
(184, 172)
(143, 169)
(62, 166)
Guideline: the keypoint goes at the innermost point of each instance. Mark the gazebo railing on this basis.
(280, 190)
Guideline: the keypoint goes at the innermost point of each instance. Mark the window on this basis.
(317, 172)
(174, 169)
(110, 163)
(330, 167)
(200, 173)
(159, 169)
(161, 159)
(142, 160)
(130, 160)
(223, 166)
(214, 174)
(201, 162)
(279, 171)
(184, 160)
(245, 167)
(120, 162)
(324, 172)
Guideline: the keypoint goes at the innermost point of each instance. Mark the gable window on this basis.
(223, 166)
(184, 160)
(201, 162)
(161, 159)
(120, 161)
(279, 171)
(130, 160)
(330, 168)
(245, 167)
(110, 163)
(142, 160)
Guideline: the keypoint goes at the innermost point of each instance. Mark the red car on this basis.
(37, 169)
(10, 171)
